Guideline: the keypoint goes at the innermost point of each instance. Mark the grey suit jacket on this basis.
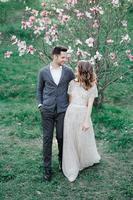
(51, 95)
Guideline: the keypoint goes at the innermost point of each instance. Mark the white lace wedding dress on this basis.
(79, 147)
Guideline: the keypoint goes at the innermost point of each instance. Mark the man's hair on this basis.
(57, 50)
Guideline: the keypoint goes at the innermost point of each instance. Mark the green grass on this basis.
(21, 138)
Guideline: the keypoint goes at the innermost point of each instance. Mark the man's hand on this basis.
(40, 107)
(85, 126)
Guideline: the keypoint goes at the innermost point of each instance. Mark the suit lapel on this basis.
(50, 75)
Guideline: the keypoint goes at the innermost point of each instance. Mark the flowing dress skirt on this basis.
(79, 147)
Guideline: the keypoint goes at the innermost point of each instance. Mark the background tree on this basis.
(93, 30)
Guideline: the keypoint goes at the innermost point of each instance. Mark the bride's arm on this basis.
(85, 125)
(69, 91)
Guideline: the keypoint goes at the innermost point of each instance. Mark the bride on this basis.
(79, 146)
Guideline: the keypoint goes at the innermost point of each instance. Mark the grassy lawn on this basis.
(21, 139)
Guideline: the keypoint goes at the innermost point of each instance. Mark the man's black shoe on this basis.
(47, 177)
(60, 166)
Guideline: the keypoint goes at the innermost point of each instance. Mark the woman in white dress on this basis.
(79, 146)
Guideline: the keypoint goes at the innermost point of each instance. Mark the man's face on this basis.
(61, 59)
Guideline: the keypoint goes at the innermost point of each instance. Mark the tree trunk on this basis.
(99, 101)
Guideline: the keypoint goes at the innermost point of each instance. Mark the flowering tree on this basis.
(93, 30)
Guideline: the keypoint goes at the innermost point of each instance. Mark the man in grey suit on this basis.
(52, 97)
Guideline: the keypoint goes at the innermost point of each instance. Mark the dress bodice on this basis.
(80, 96)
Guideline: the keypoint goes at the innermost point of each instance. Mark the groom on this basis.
(52, 97)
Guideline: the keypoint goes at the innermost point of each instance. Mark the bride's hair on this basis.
(86, 76)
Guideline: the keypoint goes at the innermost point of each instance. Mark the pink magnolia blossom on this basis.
(63, 18)
(70, 50)
(86, 54)
(125, 38)
(115, 3)
(29, 24)
(32, 19)
(124, 23)
(72, 2)
(88, 14)
(79, 14)
(68, 57)
(115, 64)
(27, 8)
(35, 12)
(51, 35)
(109, 41)
(130, 57)
(112, 56)
(21, 47)
(92, 61)
(97, 10)
(128, 51)
(26, 24)
(44, 22)
(31, 49)
(7, 54)
(69, 53)
(95, 24)
(14, 39)
(90, 42)
(59, 10)
(43, 4)
(78, 42)
(38, 30)
(98, 56)
(81, 53)
(44, 13)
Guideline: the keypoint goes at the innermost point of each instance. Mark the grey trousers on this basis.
(49, 120)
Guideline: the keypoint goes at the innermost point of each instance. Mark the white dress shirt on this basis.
(56, 73)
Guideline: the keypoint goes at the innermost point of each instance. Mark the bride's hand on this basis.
(85, 126)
